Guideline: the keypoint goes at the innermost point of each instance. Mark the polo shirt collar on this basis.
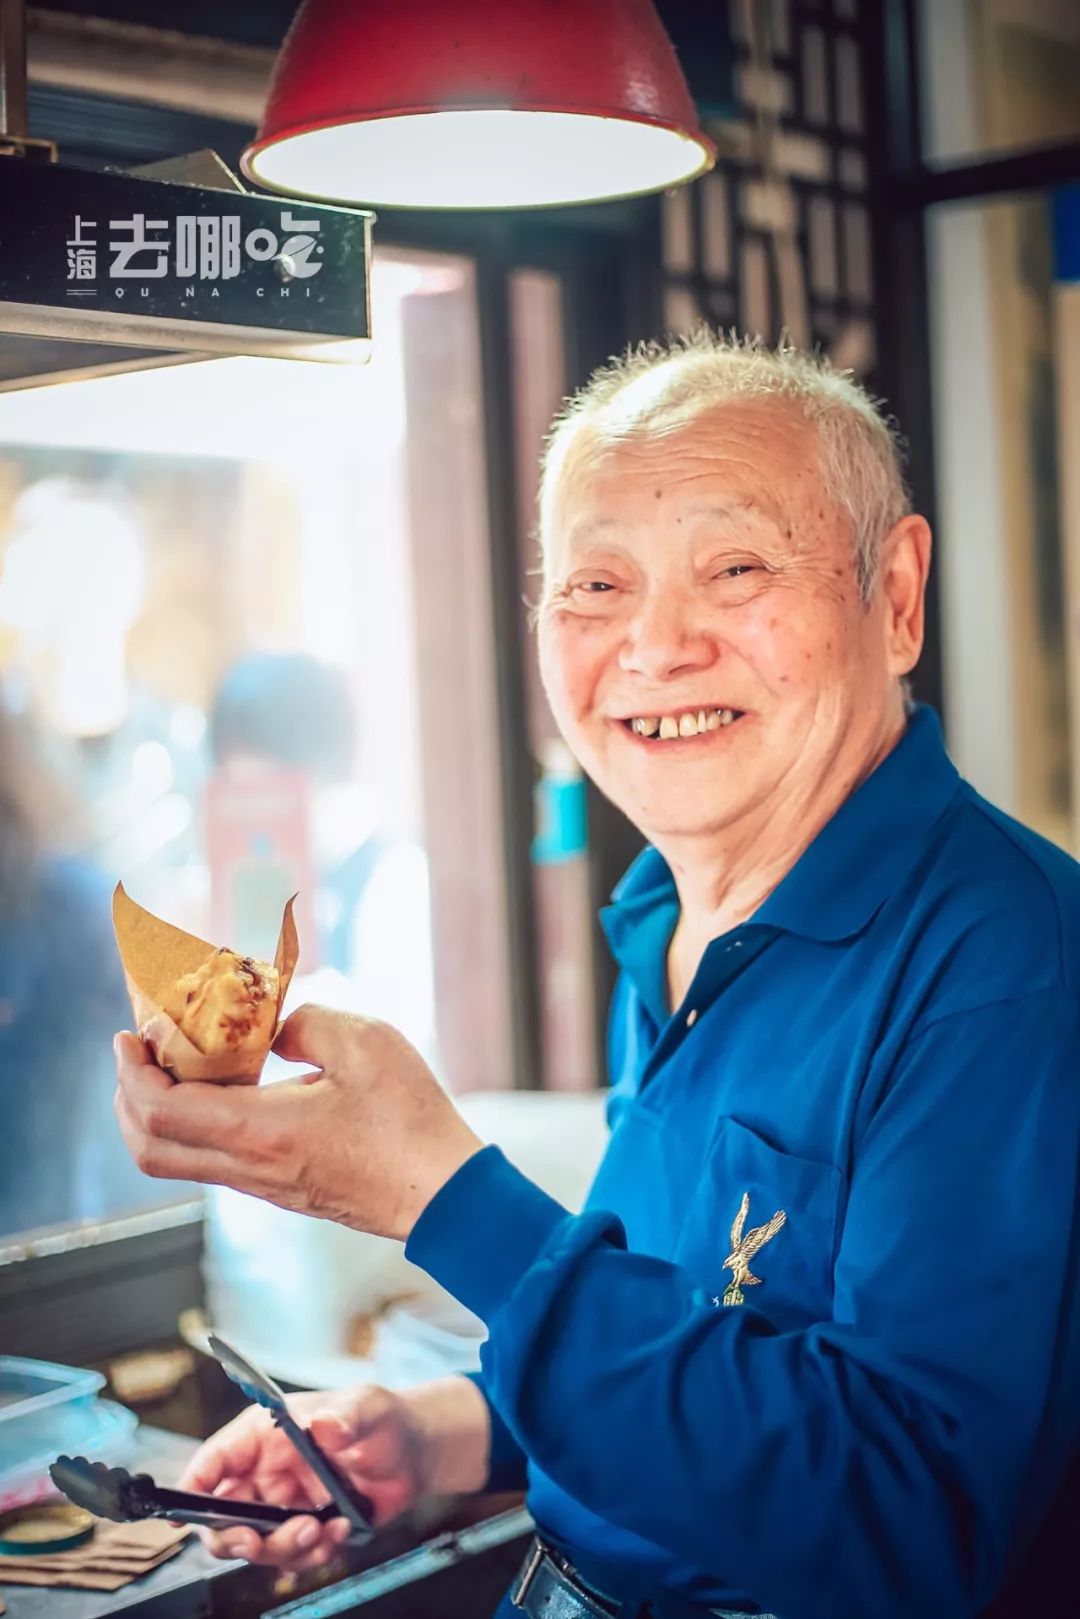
(842, 879)
(863, 854)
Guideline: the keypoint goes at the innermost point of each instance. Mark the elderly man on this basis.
(813, 1348)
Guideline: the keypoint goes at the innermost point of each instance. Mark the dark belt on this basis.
(549, 1587)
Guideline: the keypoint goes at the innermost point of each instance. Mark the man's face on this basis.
(708, 570)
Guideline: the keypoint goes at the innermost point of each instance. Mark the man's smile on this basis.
(697, 726)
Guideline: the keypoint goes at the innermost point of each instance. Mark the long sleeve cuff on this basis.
(506, 1466)
(483, 1230)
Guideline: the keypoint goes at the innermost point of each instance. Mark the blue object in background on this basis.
(1065, 205)
(561, 813)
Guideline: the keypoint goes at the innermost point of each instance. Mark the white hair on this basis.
(659, 387)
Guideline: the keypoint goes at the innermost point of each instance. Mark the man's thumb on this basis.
(312, 1035)
(332, 1433)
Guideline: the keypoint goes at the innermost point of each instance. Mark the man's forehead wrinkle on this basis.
(728, 477)
(740, 457)
(732, 510)
(613, 499)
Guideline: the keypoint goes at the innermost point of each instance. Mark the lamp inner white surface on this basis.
(494, 158)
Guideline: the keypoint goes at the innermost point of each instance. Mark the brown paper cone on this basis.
(155, 956)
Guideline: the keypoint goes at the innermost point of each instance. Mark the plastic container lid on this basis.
(39, 1530)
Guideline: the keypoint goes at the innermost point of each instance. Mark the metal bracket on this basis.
(203, 168)
(28, 146)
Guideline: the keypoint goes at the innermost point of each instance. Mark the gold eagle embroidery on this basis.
(743, 1250)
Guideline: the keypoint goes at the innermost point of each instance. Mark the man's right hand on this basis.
(369, 1433)
(395, 1448)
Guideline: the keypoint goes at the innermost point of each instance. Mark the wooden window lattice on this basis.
(785, 248)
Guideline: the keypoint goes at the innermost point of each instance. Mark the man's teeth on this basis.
(706, 719)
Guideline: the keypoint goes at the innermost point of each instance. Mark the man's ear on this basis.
(904, 570)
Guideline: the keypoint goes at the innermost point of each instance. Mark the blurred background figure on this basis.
(284, 815)
(73, 584)
(62, 998)
(73, 587)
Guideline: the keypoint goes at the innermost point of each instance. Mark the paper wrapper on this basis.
(155, 955)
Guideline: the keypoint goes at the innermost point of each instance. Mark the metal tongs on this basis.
(113, 1492)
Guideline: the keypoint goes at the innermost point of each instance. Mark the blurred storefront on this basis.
(210, 583)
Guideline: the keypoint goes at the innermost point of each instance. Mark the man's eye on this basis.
(736, 570)
(593, 587)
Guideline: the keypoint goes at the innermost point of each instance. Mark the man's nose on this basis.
(665, 636)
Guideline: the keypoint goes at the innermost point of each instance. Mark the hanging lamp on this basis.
(477, 104)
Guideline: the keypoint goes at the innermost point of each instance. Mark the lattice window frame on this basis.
(782, 246)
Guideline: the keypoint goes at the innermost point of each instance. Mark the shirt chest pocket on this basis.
(761, 1230)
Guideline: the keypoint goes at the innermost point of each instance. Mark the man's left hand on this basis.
(367, 1140)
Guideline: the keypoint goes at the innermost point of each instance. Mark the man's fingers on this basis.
(239, 1542)
(300, 1545)
(323, 1553)
(168, 1160)
(183, 1132)
(287, 1547)
(235, 1543)
(131, 1052)
(138, 1075)
(227, 1456)
(194, 1114)
(284, 1490)
(292, 1544)
(286, 1481)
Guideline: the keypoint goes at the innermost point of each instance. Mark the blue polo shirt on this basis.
(813, 1347)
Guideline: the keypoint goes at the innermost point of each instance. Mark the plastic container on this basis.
(45, 1410)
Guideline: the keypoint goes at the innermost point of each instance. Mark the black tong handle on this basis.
(217, 1512)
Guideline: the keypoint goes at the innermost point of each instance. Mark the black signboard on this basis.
(143, 260)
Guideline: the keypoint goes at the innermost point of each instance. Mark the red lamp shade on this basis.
(477, 103)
